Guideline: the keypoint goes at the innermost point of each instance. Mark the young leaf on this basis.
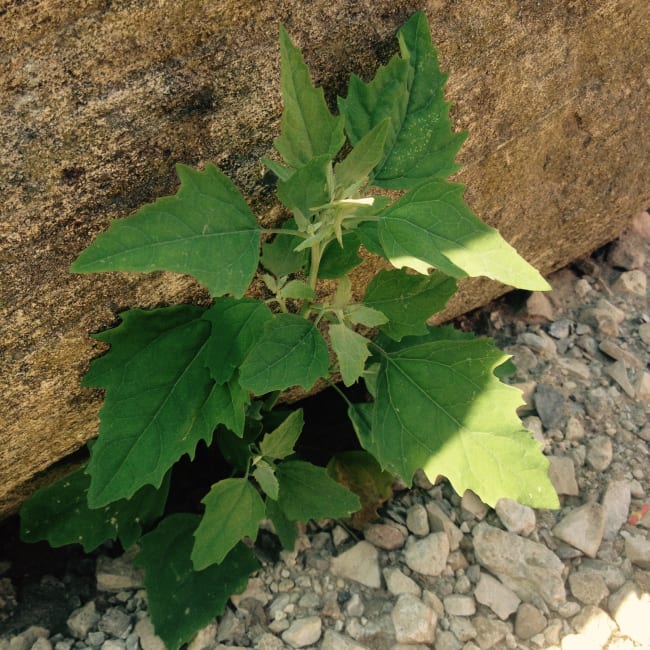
(439, 407)
(289, 352)
(297, 289)
(160, 400)
(235, 326)
(182, 600)
(206, 230)
(337, 260)
(283, 173)
(59, 513)
(233, 509)
(363, 158)
(409, 93)
(433, 226)
(264, 474)
(281, 441)
(361, 314)
(230, 400)
(308, 128)
(285, 528)
(306, 189)
(351, 350)
(408, 300)
(279, 256)
(307, 492)
(235, 448)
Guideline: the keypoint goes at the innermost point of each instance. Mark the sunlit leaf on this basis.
(281, 441)
(351, 350)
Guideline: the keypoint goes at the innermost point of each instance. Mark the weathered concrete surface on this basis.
(99, 99)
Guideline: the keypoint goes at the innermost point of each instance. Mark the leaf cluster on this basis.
(179, 375)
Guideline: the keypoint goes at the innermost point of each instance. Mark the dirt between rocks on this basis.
(438, 570)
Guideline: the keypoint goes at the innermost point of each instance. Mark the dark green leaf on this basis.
(206, 230)
(439, 407)
(361, 418)
(183, 601)
(233, 509)
(337, 260)
(279, 256)
(160, 399)
(351, 350)
(59, 513)
(281, 441)
(368, 233)
(408, 300)
(235, 326)
(285, 529)
(236, 449)
(433, 226)
(289, 352)
(307, 492)
(308, 128)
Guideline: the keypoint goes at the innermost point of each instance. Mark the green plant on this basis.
(178, 375)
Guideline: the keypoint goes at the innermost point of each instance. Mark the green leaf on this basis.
(59, 513)
(289, 352)
(235, 448)
(368, 233)
(433, 226)
(409, 92)
(439, 407)
(281, 441)
(160, 400)
(181, 600)
(307, 492)
(306, 189)
(235, 326)
(285, 529)
(363, 158)
(361, 418)
(308, 128)
(408, 300)
(283, 173)
(337, 260)
(298, 290)
(230, 400)
(361, 314)
(233, 509)
(279, 256)
(206, 229)
(351, 350)
(264, 474)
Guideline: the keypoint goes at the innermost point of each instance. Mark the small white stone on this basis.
(414, 622)
(637, 550)
(516, 517)
(495, 595)
(616, 502)
(417, 520)
(359, 563)
(588, 587)
(472, 503)
(427, 556)
(539, 305)
(630, 608)
(583, 528)
(642, 386)
(631, 282)
(399, 583)
(561, 472)
(458, 605)
(600, 452)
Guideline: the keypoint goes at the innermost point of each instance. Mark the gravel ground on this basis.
(438, 570)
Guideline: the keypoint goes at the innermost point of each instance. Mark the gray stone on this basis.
(335, 641)
(82, 620)
(529, 621)
(398, 583)
(463, 628)
(427, 556)
(618, 372)
(642, 386)
(530, 569)
(644, 333)
(114, 644)
(115, 622)
(633, 282)
(539, 305)
(583, 528)
(600, 452)
(95, 638)
(540, 343)
(616, 503)
(549, 404)
(206, 637)
(630, 608)
(560, 329)
(637, 550)
(446, 640)
(612, 349)
(359, 563)
(489, 632)
(627, 253)
(42, 643)
(147, 636)
(118, 574)
(495, 595)
(516, 517)
(414, 622)
(588, 587)
(303, 632)
(471, 502)
(459, 605)
(614, 576)
(562, 473)
(440, 522)
(417, 520)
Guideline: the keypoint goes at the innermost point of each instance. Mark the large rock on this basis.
(99, 100)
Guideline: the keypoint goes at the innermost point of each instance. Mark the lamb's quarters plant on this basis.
(179, 375)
